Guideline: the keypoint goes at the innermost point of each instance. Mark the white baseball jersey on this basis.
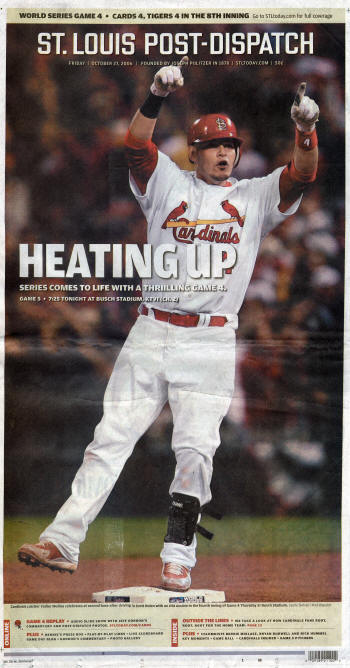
(182, 209)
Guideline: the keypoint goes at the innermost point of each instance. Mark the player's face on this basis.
(214, 160)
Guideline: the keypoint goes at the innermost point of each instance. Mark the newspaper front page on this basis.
(89, 253)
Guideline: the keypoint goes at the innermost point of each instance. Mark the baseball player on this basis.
(182, 352)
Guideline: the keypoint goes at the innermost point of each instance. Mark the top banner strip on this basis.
(159, 16)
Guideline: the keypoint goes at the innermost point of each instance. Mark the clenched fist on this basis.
(168, 79)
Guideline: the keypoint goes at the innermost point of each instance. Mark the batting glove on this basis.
(166, 80)
(304, 111)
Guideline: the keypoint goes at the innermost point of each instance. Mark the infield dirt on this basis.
(244, 578)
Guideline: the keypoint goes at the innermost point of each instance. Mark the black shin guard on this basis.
(182, 520)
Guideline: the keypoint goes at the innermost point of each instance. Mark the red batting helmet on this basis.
(213, 126)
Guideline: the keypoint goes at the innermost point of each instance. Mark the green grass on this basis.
(134, 537)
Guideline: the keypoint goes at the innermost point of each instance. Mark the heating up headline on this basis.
(51, 260)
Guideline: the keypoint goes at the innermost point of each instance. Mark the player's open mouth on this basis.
(222, 164)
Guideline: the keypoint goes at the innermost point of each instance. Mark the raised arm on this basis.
(141, 153)
(303, 167)
(166, 80)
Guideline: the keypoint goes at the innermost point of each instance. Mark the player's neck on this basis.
(213, 182)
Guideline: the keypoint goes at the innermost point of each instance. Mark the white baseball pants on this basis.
(191, 367)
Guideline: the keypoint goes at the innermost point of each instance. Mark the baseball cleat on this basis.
(45, 554)
(176, 577)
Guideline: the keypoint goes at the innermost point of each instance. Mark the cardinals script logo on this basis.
(184, 230)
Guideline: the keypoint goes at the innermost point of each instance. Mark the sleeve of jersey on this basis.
(152, 182)
(292, 184)
(142, 158)
(276, 210)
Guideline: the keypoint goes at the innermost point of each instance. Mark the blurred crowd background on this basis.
(67, 182)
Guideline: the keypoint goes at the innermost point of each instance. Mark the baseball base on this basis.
(153, 595)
